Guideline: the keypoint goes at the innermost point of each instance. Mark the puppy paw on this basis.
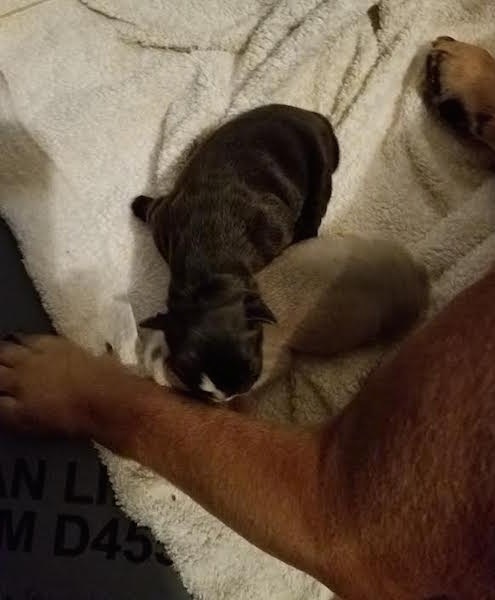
(460, 85)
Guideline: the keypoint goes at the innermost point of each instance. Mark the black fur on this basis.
(140, 207)
(261, 182)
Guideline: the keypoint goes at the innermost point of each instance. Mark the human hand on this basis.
(50, 385)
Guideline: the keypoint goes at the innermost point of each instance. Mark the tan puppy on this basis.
(335, 293)
(460, 84)
(332, 294)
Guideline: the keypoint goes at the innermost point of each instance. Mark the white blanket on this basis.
(110, 93)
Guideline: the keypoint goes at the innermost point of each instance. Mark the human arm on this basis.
(264, 480)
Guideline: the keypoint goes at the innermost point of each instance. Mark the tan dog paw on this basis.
(460, 85)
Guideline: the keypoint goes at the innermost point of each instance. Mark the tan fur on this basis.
(332, 294)
(466, 73)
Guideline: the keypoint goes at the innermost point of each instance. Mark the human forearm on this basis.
(263, 480)
(266, 481)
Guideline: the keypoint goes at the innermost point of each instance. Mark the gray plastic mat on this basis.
(61, 536)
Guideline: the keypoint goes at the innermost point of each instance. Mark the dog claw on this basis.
(442, 38)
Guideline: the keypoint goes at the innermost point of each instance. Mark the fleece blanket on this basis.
(99, 101)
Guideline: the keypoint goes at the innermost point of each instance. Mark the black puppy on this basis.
(259, 183)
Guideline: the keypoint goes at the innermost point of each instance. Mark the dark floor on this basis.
(61, 536)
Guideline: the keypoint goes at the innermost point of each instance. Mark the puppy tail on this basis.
(141, 207)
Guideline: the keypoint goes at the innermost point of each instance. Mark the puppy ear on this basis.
(140, 207)
(257, 310)
(159, 321)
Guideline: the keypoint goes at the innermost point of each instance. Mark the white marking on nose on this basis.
(209, 387)
(154, 352)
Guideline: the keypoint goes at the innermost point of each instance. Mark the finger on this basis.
(11, 354)
(37, 342)
(8, 381)
(14, 338)
(33, 342)
(9, 413)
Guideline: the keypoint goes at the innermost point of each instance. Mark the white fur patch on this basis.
(209, 387)
(154, 354)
